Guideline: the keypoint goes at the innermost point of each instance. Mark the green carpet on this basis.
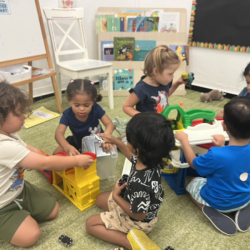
(181, 224)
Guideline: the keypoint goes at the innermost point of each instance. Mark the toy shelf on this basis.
(33, 79)
(179, 38)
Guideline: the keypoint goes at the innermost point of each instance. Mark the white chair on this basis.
(76, 68)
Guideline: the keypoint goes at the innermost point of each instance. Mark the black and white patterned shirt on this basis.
(144, 190)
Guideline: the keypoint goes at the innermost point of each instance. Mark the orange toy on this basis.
(159, 108)
(47, 173)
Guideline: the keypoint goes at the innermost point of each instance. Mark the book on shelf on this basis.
(104, 43)
(146, 24)
(101, 23)
(103, 82)
(125, 15)
(108, 52)
(142, 47)
(123, 79)
(131, 11)
(124, 48)
(113, 24)
(182, 51)
(122, 23)
(131, 23)
(153, 12)
(169, 22)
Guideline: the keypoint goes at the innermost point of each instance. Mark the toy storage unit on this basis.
(176, 180)
(105, 162)
(16, 73)
(81, 186)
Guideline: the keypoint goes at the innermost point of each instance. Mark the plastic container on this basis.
(80, 185)
(16, 73)
(106, 161)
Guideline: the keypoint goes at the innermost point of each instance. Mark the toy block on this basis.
(80, 185)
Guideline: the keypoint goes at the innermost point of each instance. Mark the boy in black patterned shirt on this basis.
(149, 139)
(144, 192)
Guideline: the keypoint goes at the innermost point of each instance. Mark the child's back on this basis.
(225, 182)
(144, 190)
(150, 138)
(226, 169)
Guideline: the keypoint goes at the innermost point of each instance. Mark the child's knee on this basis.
(27, 234)
(99, 200)
(92, 222)
(32, 238)
(57, 150)
(89, 224)
(54, 212)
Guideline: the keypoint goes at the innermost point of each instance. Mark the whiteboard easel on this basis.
(23, 39)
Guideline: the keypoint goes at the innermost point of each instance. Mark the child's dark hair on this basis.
(237, 117)
(246, 71)
(10, 98)
(152, 135)
(81, 86)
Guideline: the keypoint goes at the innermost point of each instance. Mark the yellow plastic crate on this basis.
(81, 186)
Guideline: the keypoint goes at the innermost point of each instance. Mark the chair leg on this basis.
(31, 90)
(59, 84)
(110, 88)
(55, 87)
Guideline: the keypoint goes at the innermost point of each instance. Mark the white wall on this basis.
(212, 68)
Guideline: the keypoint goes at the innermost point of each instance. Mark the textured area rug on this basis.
(180, 224)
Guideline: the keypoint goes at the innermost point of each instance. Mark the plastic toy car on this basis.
(65, 240)
(123, 180)
(169, 248)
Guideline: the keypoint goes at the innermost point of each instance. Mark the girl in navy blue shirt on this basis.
(82, 117)
(157, 83)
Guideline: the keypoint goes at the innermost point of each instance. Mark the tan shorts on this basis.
(35, 202)
(117, 219)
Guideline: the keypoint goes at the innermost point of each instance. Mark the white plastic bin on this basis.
(105, 162)
(16, 73)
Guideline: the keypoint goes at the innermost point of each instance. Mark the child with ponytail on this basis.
(82, 117)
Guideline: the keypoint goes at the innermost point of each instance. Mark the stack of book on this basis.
(132, 21)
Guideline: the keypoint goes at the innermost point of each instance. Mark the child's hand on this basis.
(85, 161)
(219, 140)
(70, 150)
(180, 81)
(108, 146)
(108, 138)
(220, 114)
(181, 136)
(118, 189)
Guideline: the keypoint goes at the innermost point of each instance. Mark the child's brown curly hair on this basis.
(10, 98)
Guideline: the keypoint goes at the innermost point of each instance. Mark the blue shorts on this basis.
(194, 188)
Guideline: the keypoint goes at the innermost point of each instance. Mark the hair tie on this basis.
(72, 81)
(92, 83)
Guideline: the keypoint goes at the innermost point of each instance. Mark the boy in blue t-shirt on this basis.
(225, 183)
